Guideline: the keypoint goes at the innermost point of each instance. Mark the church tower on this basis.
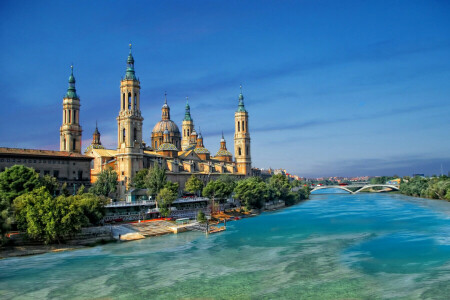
(187, 126)
(70, 131)
(242, 139)
(129, 127)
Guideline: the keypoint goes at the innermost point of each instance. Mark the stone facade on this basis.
(72, 168)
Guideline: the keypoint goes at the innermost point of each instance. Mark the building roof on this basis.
(93, 146)
(105, 152)
(201, 150)
(163, 124)
(167, 147)
(43, 153)
(223, 152)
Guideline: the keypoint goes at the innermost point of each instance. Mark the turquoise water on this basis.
(334, 246)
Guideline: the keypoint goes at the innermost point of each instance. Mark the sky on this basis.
(333, 88)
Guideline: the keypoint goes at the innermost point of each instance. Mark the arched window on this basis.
(135, 134)
(129, 101)
(123, 101)
(246, 150)
(65, 117)
(135, 101)
(74, 144)
(184, 132)
(239, 150)
(65, 144)
(123, 135)
(239, 126)
(243, 125)
(188, 133)
(70, 112)
(156, 143)
(75, 116)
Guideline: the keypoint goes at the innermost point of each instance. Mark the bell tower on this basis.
(187, 126)
(242, 139)
(129, 127)
(70, 131)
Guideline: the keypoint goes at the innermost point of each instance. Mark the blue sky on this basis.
(333, 88)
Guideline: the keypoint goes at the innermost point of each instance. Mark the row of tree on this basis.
(43, 208)
(253, 192)
(434, 187)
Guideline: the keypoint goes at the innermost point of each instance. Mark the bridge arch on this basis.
(378, 185)
(317, 188)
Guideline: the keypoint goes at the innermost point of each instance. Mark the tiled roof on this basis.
(223, 152)
(37, 152)
(93, 146)
(201, 150)
(167, 147)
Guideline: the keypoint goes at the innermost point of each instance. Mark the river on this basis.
(334, 246)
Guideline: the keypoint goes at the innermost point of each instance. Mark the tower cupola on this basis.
(130, 74)
(241, 107)
(187, 112)
(71, 91)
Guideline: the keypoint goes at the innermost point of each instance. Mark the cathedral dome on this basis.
(166, 124)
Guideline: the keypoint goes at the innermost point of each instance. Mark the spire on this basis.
(96, 136)
(241, 107)
(223, 139)
(71, 91)
(165, 110)
(96, 128)
(130, 67)
(187, 111)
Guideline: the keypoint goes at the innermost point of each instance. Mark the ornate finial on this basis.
(130, 47)
(222, 135)
(96, 126)
(241, 88)
(187, 100)
(165, 97)
(71, 68)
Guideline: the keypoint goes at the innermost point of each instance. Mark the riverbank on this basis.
(126, 232)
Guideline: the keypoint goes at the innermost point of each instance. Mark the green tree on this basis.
(138, 180)
(93, 207)
(252, 192)
(164, 200)
(173, 186)
(217, 190)
(193, 185)
(47, 218)
(279, 187)
(201, 216)
(106, 183)
(155, 180)
(16, 181)
(51, 183)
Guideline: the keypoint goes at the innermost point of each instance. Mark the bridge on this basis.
(359, 187)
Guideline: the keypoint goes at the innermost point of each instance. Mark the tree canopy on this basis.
(16, 181)
(138, 180)
(165, 199)
(252, 192)
(155, 180)
(193, 185)
(106, 183)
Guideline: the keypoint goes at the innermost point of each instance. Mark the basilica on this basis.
(181, 153)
